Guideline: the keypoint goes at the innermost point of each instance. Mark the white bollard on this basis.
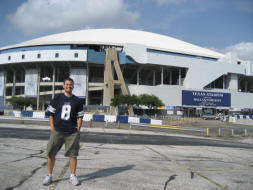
(245, 132)
(219, 132)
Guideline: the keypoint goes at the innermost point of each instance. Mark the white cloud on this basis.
(36, 16)
(244, 50)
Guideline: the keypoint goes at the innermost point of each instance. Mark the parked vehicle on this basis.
(208, 116)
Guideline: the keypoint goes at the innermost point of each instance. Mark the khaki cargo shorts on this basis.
(57, 139)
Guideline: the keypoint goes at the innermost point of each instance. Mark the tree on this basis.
(143, 99)
(150, 100)
(20, 102)
(115, 101)
(124, 100)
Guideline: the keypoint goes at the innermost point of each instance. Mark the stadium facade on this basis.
(184, 76)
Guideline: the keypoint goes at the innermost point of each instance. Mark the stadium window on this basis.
(23, 56)
(56, 55)
(38, 55)
(76, 55)
(9, 57)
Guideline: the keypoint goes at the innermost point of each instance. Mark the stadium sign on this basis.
(201, 98)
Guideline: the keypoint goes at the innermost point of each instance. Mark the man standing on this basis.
(65, 116)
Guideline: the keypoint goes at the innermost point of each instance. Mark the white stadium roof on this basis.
(119, 37)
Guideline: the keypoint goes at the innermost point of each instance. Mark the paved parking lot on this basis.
(127, 166)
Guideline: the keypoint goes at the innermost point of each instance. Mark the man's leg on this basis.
(73, 178)
(71, 150)
(73, 163)
(50, 164)
(54, 145)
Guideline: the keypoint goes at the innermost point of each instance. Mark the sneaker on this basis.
(73, 179)
(48, 180)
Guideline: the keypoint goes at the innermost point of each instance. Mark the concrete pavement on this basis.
(122, 166)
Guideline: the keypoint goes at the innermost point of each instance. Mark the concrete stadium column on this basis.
(246, 85)
(38, 88)
(14, 83)
(179, 77)
(224, 82)
(5, 78)
(154, 78)
(108, 78)
(69, 68)
(162, 76)
(57, 74)
(87, 84)
(170, 77)
(23, 76)
(232, 81)
(250, 87)
(53, 87)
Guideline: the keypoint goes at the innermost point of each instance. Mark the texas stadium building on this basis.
(184, 76)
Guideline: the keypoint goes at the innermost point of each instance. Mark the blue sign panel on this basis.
(201, 98)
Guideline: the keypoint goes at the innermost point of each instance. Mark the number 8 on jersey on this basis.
(65, 112)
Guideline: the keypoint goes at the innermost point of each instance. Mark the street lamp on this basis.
(45, 79)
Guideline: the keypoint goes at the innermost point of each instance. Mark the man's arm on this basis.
(79, 123)
(51, 121)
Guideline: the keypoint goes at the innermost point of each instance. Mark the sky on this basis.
(221, 25)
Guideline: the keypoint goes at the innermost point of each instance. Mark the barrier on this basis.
(235, 117)
(113, 118)
(99, 118)
(11, 113)
(122, 119)
(26, 114)
(156, 122)
(38, 115)
(87, 117)
(142, 120)
(17, 113)
(110, 118)
(133, 120)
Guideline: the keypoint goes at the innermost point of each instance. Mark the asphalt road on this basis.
(121, 138)
(213, 125)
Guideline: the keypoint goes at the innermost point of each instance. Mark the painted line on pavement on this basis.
(178, 128)
(166, 127)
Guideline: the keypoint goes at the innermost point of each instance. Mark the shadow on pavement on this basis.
(100, 173)
(105, 172)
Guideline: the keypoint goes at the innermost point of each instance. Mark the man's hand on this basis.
(79, 123)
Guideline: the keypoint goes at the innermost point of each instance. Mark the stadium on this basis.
(187, 78)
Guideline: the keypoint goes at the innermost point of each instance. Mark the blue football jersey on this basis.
(65, 111)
